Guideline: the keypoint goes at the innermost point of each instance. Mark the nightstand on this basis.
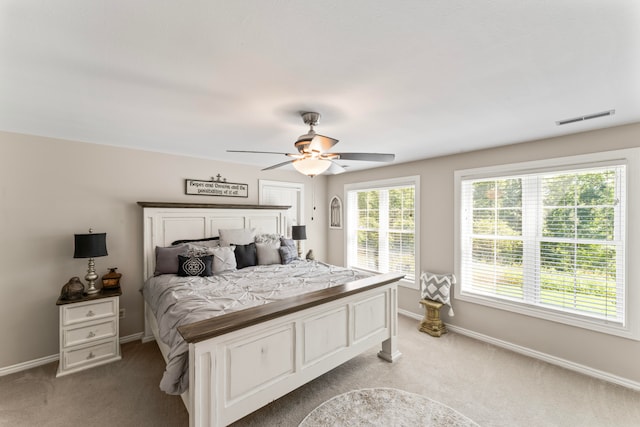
(89, 331)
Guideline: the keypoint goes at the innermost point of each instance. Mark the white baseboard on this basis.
(145, 339)
(132, 337)
(408, 313)
(28, 365)
(564, 363)
(53, 358)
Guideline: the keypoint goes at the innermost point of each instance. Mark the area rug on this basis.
(384, 407)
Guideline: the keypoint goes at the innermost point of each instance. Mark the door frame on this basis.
(299, 186)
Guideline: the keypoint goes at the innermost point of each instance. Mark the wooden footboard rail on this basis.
(241, 361)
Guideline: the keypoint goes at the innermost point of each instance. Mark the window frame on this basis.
(414, 181)
(630, 328)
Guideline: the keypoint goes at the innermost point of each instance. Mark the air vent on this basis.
(587, 117)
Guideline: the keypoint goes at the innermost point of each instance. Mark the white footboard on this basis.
(233, 374)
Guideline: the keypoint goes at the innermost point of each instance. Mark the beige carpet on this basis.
(388, 407)
(123, 393)
(491, 386)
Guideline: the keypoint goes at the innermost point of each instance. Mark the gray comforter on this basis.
(179, 301)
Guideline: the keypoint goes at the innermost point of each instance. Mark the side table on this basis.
(89, 331)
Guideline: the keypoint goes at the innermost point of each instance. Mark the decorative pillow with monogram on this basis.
(195, 265)
(437, 287)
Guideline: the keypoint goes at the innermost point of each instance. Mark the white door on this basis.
(284, 193)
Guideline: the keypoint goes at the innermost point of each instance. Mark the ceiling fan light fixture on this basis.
(302, 144)
(313, 156)
(311, 166)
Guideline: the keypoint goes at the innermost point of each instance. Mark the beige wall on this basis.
(51, 189)
(610, 354)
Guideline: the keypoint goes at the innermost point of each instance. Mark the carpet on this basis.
(384, 407)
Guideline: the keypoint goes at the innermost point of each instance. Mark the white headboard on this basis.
(164, 223)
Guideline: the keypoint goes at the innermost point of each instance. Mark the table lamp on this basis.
(91, 246)
(299, 232)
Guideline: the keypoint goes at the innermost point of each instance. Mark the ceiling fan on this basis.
(313, 156)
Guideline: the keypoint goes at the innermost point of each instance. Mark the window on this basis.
(547, 239)
(382, 227)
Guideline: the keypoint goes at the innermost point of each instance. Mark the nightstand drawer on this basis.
(82, 312)
(89, 355)
(86, 334)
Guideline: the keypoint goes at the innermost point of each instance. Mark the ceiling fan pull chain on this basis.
(313, 198)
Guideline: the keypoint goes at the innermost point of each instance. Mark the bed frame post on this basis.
(202, 389)
(390, 351)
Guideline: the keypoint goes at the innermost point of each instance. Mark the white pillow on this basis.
(237, 236)
(224, 258)
(268, 253)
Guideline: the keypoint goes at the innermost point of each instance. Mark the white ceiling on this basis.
(417, 78)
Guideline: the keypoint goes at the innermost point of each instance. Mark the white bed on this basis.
(241, 361)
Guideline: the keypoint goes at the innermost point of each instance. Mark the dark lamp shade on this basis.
(299, 232)
(90, 245)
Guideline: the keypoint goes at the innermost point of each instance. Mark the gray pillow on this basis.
(287, 242)
(268, 253)
(288, 254)
(246, 255)
(167, 259)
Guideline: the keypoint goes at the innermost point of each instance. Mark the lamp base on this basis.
(92, 289)
(91, 278)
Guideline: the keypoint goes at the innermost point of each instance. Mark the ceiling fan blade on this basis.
(370, 157)
(322, 143)
(260, 152)
(335, 169)
(278, 165)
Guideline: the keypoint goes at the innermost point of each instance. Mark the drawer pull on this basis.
(91, 334)
(91, 355)
(90, 313)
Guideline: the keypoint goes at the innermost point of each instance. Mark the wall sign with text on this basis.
(216, 187)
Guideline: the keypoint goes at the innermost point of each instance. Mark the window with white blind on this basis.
(381, 226)
(547, 239)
